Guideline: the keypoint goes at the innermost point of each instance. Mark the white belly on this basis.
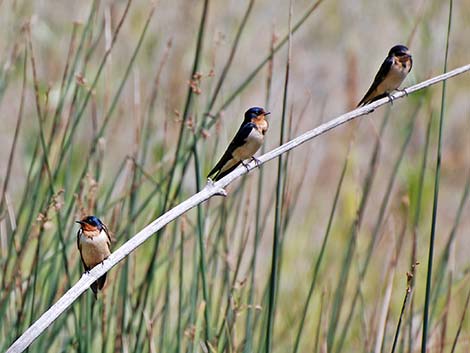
(252, 145)
(94, 250)
(394, 79)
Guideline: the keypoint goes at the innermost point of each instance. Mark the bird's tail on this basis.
(367, 99)
(362, 102)
(98, 285)
(220, 175)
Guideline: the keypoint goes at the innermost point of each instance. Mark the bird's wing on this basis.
(80, 249)
(109, 236)
(383, 71)
(237, 141)
(78, 239)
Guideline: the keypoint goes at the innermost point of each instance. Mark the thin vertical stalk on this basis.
(251, 292)
(202, 252)
(180, 292)
(436, 196)
(166, 303)
(193, 295)
(278, 209)
(417, 216)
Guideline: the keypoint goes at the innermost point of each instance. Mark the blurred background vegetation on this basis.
(120, 108)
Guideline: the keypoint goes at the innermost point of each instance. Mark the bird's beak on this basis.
(266, 113)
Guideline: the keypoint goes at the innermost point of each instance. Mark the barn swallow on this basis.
(93, 242)
(247, 141)
(391, 74)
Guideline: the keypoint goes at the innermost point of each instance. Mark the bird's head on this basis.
(91, 223)
(254, 114)
(401, 52)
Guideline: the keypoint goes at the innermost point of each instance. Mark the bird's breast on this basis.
(262, 126)
(94, 249)
(395, 77)
(252, 144)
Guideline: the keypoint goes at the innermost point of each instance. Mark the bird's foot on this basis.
(390, 97)
(403, 91)
(246, 166)
(257, 161)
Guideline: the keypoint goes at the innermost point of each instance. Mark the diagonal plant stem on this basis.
(378, 224)
(459, 329)
(281, 43)
(210, 190)
(316, 269)
(339, 293)
(17, 130)
(409, 288)
(444, 260)
(228, 64)
(66, 143)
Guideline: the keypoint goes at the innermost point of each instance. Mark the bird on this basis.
(392, 73)
(93, 242)
(245, 144)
